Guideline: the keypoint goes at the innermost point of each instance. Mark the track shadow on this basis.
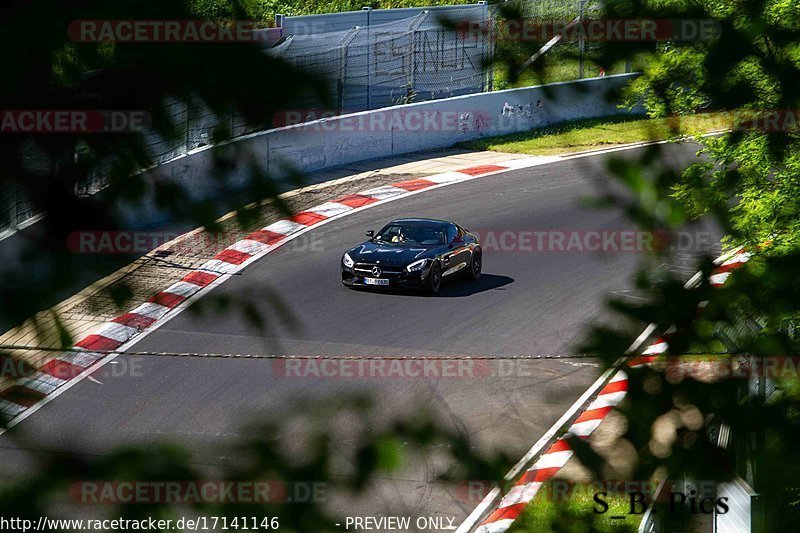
(462, 287)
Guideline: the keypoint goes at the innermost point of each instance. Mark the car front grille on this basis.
(387, 271)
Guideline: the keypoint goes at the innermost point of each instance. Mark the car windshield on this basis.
(411, 234)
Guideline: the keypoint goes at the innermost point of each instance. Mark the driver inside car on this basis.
(401, 236)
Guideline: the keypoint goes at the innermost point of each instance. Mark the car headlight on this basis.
(347, 261)
(416, 266)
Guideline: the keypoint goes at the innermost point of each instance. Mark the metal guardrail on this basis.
(649, 523)
(740, 516)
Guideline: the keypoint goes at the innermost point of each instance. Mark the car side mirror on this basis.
(370, 233)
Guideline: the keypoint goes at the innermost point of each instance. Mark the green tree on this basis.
(747, 183)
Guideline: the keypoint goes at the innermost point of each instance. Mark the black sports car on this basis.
(412, 253)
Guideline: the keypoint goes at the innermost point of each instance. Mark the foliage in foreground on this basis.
(574, 514)
(48, 70)
(749, 188)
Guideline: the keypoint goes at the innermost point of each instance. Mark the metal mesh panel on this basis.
(161, 149)
(8, 209)
(318, 54)
(15, 209)
(96, 181)
(397, 62)
(447, 63)
(239, 125)
(200, 125)
(389, 73)
(24, 210)
(354, 63)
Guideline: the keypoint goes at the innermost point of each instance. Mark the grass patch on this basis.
(575, 514)
(588, 134)
(559, 67)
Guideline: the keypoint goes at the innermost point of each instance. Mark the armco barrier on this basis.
(331, 142)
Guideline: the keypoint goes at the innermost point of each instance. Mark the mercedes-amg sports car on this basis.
(412, 253)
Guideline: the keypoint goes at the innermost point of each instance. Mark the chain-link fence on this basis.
(565, 58)
(16, 210)
(413, 59)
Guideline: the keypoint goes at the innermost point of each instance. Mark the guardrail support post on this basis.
(344, 46)
(412, 64)
(488, 47)
(369, 57)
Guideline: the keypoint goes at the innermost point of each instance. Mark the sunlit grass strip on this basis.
(553, 510)
(588, 134)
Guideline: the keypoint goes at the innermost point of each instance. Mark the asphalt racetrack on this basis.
(528, 302)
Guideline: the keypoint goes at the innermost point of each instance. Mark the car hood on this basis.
(391, 254)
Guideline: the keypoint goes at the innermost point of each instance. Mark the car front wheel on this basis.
(475, 266)
(434, 278)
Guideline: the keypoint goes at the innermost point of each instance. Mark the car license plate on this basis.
(376, 281)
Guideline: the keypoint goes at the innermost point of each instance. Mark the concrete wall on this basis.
(380, 133)
(436, 124)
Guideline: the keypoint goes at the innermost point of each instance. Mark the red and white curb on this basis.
(510, 506)
(554, 458)
(31, 392)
